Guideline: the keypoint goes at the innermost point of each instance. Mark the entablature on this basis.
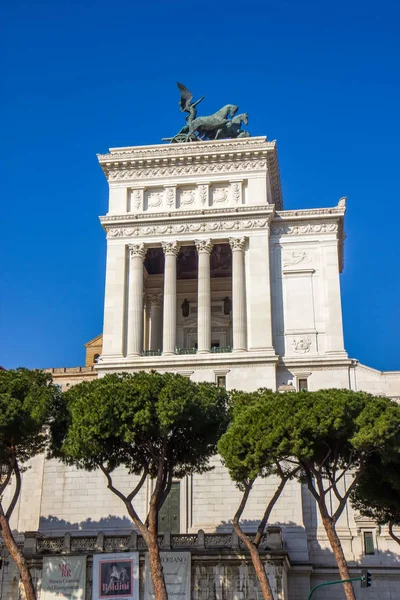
(243, 219)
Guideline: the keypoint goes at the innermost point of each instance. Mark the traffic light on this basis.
(365, 578)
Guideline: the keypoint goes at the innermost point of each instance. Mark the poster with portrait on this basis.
(116, 576)
(176, 569)
(63, 577)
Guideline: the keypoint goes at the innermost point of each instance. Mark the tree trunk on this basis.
(392, 533)
(339, 555)
(257, 564)
(18, 558)
(156, 570)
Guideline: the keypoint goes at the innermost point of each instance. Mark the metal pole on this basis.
(333, 583)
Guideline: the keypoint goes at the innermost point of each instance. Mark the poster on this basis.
(176, 567)
(63, 577)
(116, 576)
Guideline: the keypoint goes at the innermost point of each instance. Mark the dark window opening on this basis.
(369, 543)
(169, 515)
(96, 358)
(303, 385)
(221, 381)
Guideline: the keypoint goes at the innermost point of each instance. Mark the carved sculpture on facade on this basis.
(220, 125)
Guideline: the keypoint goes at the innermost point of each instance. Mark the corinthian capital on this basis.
(203, 245)
(237, 243)
(154, 299)
(170, 248)
(137, 250)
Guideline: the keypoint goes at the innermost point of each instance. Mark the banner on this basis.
(116, 576)
(63, 577)
(176, 568)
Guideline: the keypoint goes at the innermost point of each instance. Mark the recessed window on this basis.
(96, 358)
(169, 515)
(302, 385)
(368, 542)
(221, 381)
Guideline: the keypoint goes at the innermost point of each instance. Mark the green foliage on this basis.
(26, 399)
(377, 494)
(329, 429)
(136, 419)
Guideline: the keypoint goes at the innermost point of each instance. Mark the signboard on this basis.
(116, 576)
(63, 577)
(176, 568)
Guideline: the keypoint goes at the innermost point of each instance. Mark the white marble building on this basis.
(207, 275)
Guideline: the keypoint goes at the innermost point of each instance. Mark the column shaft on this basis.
(238, 295)
(155, 323)
(135, 311)
(171, 251)
(204, 248)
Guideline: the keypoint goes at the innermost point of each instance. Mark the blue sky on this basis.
(80, 77)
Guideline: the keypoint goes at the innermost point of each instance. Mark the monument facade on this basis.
(207, 275)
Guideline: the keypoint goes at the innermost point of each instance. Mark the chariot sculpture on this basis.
(224, 123)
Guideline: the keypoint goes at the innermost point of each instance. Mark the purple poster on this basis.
(115, 576)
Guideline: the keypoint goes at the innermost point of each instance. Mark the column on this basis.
(135, 310)
(146, 313)
(171, 251)
(333, 304)
(155, 322)
(114, 301)
(238, 295)
(204, 248)
(258, 299)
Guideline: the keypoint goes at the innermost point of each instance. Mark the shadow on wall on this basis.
(112, 523)
(320, 557)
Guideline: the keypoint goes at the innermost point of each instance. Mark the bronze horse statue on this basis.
(233, 128)
(212, 123)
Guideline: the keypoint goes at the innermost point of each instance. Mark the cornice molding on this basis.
(265, 210)
(187, 149)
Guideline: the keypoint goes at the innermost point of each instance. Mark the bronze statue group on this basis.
(225, 123)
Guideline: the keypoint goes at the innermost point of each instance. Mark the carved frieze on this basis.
(236, 187)
(170, 197)
(154, 199)
(137, 199)
(219, 195)
(189, 169)
(180, 228)
(204, 194)
(302, 345)
(187, 197)
(303, 228)
(295, 258)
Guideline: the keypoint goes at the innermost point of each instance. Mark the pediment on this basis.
(97, 341)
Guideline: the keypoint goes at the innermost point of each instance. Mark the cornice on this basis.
(280, 227)
(193, 362)
(310, 213)
(192, 222)
(202, 158)
(187, 149)
(228, 225)
(136, 218)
